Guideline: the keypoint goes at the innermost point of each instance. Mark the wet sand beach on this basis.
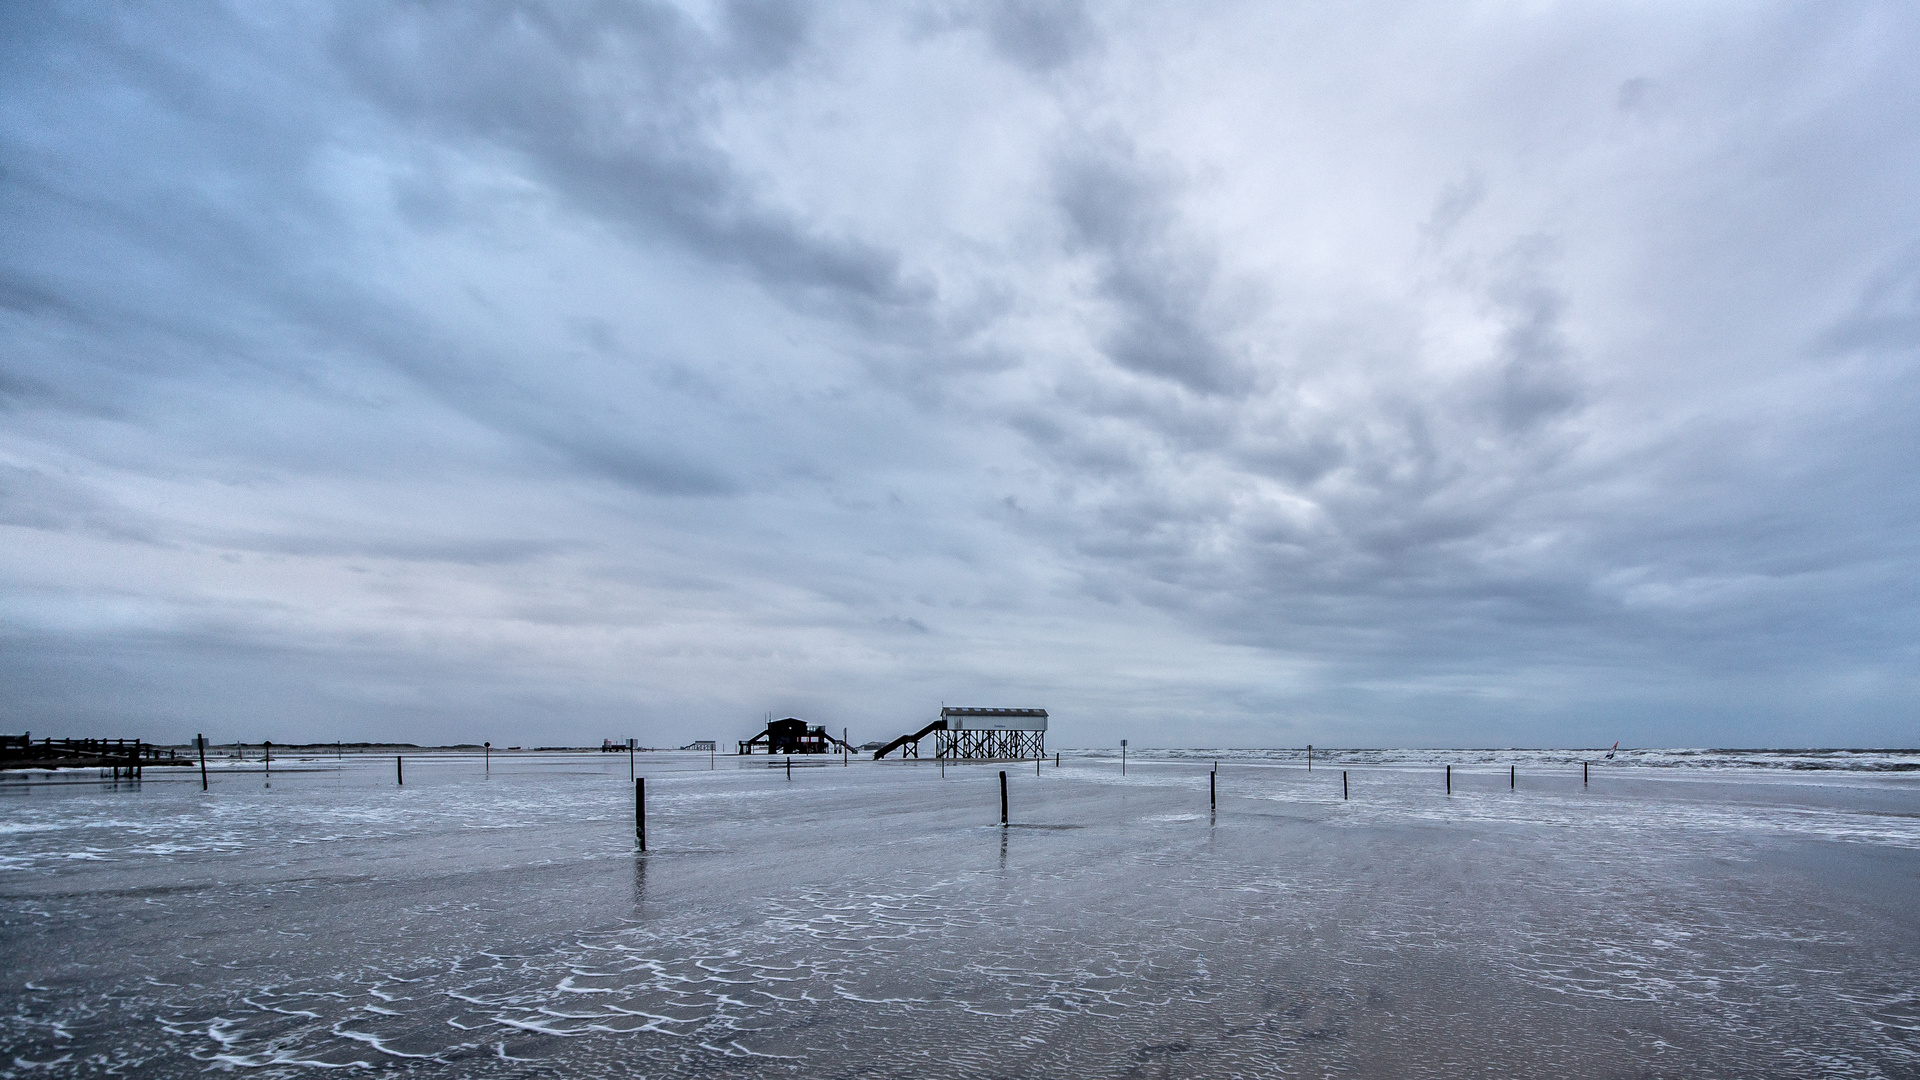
(876, 921)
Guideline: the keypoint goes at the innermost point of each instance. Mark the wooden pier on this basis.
(26, 752)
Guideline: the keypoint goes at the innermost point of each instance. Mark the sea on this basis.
(1180, 913)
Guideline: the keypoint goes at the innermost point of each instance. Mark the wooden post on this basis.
(399, 772)
(486, 751)
(201, 742)
(1449, 779)
(1583, 774)
(846, 757)
(1056, 759)
(1513, 777)
(1213, 789)
(266, 756)
(1003, 798)
(1309, 757)
(631, 775)
(789, 766)
(1123, 757)
(1343, 783)
(640, 811)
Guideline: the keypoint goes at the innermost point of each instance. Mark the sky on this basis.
(1208, 374)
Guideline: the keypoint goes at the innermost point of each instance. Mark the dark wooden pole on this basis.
(1213, 789)
(640, 811)
(630, 773)
(1343, 783)
(201, 742)
(399, 772)
(1513, 777)
(266, 756)
(1309, 757)
(789, 766)
(1003, 798)
(1449, 779)
(1583, 774)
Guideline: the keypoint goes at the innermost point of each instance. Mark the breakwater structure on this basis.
(978, 734)
(23, 752)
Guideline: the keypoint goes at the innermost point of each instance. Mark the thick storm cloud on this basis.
(1231, 374)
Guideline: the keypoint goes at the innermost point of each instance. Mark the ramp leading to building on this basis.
(978, 734)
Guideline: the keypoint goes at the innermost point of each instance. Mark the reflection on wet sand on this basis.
(855, 920)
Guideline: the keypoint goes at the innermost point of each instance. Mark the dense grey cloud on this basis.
(1226, 375)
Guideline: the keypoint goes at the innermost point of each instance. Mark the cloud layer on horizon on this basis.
(1222, 376)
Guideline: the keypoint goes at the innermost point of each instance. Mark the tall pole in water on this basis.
(1003, 798)
(1309, 757)
(845, 757)
(1123, 757)
(640, 811)
(201, 741)
(630, 773)
(486, 749)
(399, 772)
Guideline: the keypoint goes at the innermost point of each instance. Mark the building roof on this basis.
(954, 710)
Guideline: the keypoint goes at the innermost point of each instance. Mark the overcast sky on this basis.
(1208, 374)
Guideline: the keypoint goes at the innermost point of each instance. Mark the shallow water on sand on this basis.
(876, 921)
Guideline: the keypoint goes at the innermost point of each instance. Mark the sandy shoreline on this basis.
(876, 921)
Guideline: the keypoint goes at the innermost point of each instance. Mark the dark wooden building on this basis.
(791, 736)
